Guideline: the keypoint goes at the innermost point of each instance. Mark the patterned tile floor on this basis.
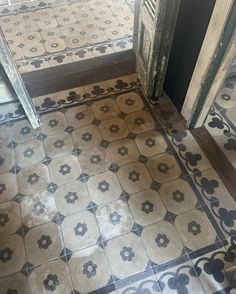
(221, 122)
(43, 34)
(110, 195)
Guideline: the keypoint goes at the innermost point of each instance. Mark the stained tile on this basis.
(12, 255)
(162, 242)
(17, 283)
(178, 196)
(37, 208)
(163, 168)
(139, 122)
(29, 153)
(195, 229)
(71, 198)
(79, 116)
(87, 137)
(134, 177)
(80, 230)
(123, 151)
(43, 243)
(114, 219)
(51, 277)
(58, 145)
(8, 187)
(64, 169)
(126, 255)
(113, 129)
(33, 179)
(89, 269)
(129, 102)
(53, 123)
(104, 187)
(10, 219)
(151, 143)
(147, 207)
(105, 109)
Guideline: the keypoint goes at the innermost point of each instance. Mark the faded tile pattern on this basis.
(110, 195)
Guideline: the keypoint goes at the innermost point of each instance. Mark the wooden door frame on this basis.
(213, 63)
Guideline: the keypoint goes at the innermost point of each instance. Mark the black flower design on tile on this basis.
(139, 121)
(80, 115)
(216, 123)
(104, 108)
(226, 97)
(95, 159)
(103, 186)
(33, 179)
(38, 208)
(162, 240)
(178, 196)
(129, 102)
(53, 123)
(163, 168)
(150, 142)
(5, 254)
(122, 150)
(192, 159)
(215, 267)
(59, 144)
(80, 229)
(11, 291)
(25, 130)
(1, 160)
(179, 283)
(44, 242)
(114, 218)
(209, 185)
(147, 207)
(89, 269)
(65, 169)
(51, 282)
(86, 137)
(134, 176)
(2, 188)
(227, 217)
(114, 128)
(194, 228)
(28, 152)
(71, 197)
(48, 103)
(127, 253)
(231, 144)
(3, 219)
(179, 136)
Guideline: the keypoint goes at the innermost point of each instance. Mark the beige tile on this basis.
(37, 208)
(72, 198)
(33, 179)
(230, 113)
(226, 98)
(134, 177)
(129, 102)
(163, 168)
(79, 116)
(89, 269)
(162, 242)
(227, 145)
(10, 219)
(8, 187)
(6, 159)
(104, 188)
(17, 282)
(43, 243)
(149, 285)
(126, 255)
(113, 129)
(147, 207)
(51, 277)
(12, 255)
(58, 145)
(64, 169)
(114, 219)
(139, 122)
(105, 109)
(80, 230)
(53, 123)
(87, 137)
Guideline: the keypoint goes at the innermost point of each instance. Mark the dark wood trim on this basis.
(217, 158)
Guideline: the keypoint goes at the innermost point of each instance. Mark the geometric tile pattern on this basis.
(137, 210)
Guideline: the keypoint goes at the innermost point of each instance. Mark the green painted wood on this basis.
(7, 93)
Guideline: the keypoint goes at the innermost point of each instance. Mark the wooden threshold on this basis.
(217, 158)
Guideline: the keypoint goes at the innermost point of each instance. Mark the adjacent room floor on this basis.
(43, 34)
(110, 195)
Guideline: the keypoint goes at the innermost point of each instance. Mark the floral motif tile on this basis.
(10, 218)
(79, 116)
(89, 269)
(17, 283)
(113, 129)
(226, 97)
(105, 109)
(52, 277)
(8, 187)
(53, 123)
(148, 285)
(6, 159)
(22, 131)
(129, 102)
(147, 207)
(43, 243)
(80, 230)
(87, 137)
(139, 122)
